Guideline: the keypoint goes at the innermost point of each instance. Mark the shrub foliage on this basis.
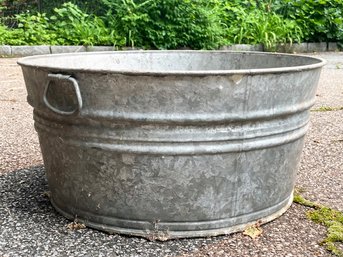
(170, 24)
(166, 24)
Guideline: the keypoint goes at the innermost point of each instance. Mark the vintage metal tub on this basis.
(168, 144)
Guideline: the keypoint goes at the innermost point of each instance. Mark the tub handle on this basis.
(73, 81)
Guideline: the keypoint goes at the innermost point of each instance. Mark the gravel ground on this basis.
(321, 169)
(18, 140)
(29, 226)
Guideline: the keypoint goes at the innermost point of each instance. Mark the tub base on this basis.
(164, 231)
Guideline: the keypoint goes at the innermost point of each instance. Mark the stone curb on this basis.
(20, 51)
(243, 47)
(29, 50)
(66, 49)
(288, 48)
(5, 50)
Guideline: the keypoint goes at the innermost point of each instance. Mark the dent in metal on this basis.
(236, 78)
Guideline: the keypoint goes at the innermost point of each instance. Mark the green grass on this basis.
(328, 217)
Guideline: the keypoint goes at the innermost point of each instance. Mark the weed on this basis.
(76, 27)
(259, 26)
(300, 200)
(328, 217)
(327, 109)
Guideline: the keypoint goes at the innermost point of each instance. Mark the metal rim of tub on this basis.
(27, 61)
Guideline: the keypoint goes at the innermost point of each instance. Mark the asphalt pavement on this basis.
(29, 226)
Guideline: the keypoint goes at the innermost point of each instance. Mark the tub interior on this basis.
(168, 61)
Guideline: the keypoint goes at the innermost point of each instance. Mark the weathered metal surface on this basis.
(167, 144)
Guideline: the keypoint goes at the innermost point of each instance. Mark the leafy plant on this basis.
(256, 26)
(11, 37)
(3, 34)
(166, 24)
(172, 24)
(34, 29)
(320, 20)
(13, 7)
(75, 27)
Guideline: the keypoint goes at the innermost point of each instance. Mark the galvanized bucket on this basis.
(170, 144)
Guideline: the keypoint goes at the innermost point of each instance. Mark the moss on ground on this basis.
(328, 217)
(327, 109)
